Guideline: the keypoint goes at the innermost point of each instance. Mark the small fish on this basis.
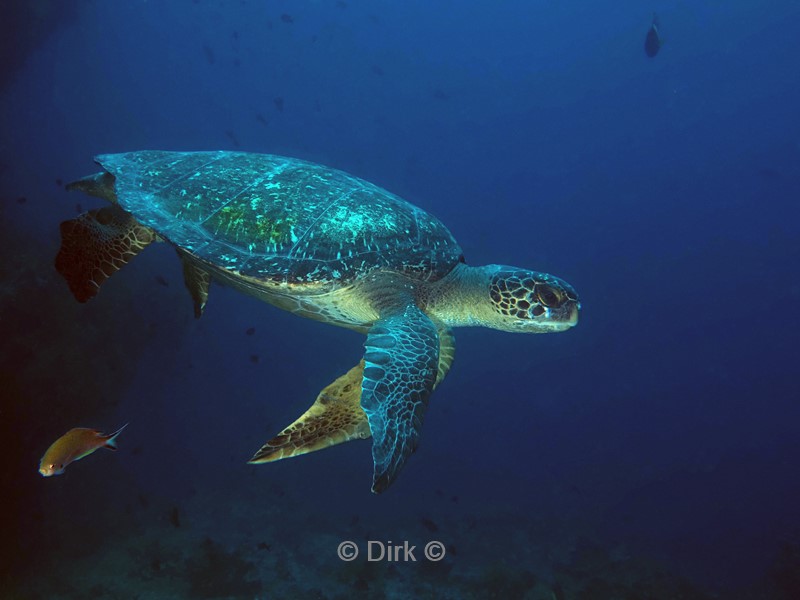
(22, 200)
(653, 41)
(429, 524)
(254, 358)
(261, 119)
(278, 103)
(287, 18)
(74, 445)
(59, 182)
(250, 330)
(232, 137)
(161, 281)
(78, 208)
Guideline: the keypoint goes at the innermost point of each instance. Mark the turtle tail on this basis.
(95, 245)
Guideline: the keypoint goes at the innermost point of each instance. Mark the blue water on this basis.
(653, 445)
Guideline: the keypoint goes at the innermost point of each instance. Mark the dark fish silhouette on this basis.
(78, 208)
(59, 182)
(232, 137)
(429, 524)
(287, 18)
(22, 200)
(254, 358)
(278, 103)
(262, 119)
(161, 281)
(653, 42)
(250, 330)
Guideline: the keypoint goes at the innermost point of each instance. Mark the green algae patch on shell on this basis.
(279, 219)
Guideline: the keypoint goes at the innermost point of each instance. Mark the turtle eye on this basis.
(548, 296)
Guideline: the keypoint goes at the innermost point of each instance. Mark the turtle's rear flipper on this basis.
(334, 418)
(100, 185)
(95, 245)
(197, 281)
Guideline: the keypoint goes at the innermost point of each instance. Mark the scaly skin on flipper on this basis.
(401, 360)
(335, 417)
(95, 245)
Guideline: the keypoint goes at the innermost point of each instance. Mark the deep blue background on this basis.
(665, 190)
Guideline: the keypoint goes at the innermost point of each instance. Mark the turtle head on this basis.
(530, 302)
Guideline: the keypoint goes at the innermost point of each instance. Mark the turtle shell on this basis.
(279, 220)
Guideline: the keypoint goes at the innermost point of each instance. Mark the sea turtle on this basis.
(324, 245)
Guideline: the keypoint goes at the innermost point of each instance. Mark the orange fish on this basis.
(74, 445)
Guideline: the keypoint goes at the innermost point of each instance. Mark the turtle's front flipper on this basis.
(95, 245)
(335, 417)
(401, 360)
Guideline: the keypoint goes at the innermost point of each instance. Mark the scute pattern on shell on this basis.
(279, 219)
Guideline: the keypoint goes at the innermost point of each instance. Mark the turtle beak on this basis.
(575, 308)
(564, 317)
